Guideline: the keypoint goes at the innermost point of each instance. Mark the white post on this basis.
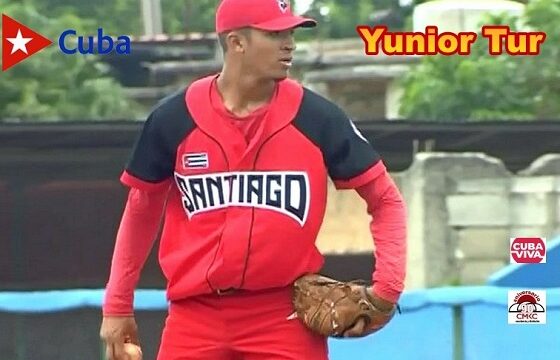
(151, 16)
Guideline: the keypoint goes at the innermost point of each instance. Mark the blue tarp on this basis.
(487, 334)
(424, 331)
(61, 300)
(421, 334)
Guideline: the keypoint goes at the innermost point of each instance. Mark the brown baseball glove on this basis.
(338, 309)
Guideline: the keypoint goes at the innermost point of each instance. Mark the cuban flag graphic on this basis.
(195, 161)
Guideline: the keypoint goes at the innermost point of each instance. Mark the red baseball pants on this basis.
(239, 326)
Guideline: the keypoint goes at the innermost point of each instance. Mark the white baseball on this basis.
(133, 351)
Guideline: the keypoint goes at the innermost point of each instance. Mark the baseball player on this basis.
(237, 164)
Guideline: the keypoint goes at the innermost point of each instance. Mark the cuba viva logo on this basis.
(20, 42)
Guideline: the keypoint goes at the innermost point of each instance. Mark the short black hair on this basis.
(222, 37)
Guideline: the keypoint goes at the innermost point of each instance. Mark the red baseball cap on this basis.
(271, 15)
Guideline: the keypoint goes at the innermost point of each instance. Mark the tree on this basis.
(53, 86)
(485, 87)
(199, 15)
(338, 19)
(542, 73)
(116, 17)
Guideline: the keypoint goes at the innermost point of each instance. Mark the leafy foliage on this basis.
(114, 16)
(52, 86)
(338, 19)
(482, 87)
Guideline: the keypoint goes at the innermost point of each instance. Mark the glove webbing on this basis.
(333, 284)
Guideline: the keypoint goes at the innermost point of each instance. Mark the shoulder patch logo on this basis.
(357, 132)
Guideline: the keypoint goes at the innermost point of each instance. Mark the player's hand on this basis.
(386, 312)
(115, 332)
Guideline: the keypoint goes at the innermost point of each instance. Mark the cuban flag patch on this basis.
(195, 161)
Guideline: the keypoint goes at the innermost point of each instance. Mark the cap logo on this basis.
(283, 4)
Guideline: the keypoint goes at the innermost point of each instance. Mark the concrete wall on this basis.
(463, 208)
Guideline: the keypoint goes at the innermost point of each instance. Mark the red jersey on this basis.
(245, 214)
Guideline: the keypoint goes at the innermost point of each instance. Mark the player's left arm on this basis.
(387, 209)
(353, 163)
(388, 227)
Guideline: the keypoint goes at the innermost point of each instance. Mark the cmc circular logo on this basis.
(528, 250)
(526, 302)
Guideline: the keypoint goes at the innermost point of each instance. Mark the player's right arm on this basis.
(135, 238)
(149, 174)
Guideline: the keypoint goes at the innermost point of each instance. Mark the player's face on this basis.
(269, 54)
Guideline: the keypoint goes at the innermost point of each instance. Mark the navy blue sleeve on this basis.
(154, 152)
(346, 151)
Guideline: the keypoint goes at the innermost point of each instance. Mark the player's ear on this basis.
(238, 40)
